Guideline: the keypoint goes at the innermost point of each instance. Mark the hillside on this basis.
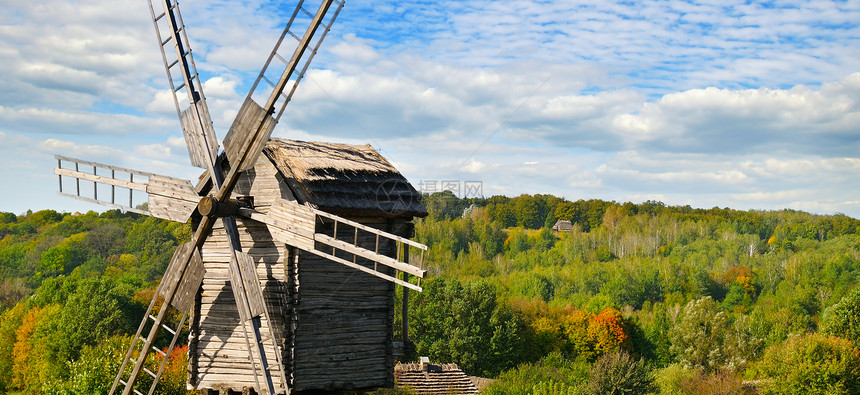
(677, 294)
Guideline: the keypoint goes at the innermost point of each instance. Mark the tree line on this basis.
(645, 298)
(685, 300)
(72, 289)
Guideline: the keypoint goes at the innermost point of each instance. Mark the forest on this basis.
(635, 299)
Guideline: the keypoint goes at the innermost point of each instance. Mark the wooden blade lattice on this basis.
(277, 82)
(184, 81)
(125, 189)
(295, 225)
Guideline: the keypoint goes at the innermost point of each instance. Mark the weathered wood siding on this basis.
(333, 324)
(218, 356)
(343, 318)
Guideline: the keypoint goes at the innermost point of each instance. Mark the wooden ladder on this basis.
(140, 347)
(178, 288)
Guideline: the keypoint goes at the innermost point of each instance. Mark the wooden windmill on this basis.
(282, 293)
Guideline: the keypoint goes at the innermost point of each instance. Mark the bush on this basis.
(724, 382)
(94, 371)
(555, 388)
(812, 364)
(669, 379)
(619, 373)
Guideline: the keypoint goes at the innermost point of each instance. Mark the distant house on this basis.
(427, 379)
(562, 225)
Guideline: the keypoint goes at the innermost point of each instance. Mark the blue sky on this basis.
(749, 105)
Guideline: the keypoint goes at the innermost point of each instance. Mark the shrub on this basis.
(93, 372)
(555, 388)
(619, 373)
(724, 382)
(669, 379)
(812, 364)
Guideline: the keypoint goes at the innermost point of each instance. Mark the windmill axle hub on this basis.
(211, 207)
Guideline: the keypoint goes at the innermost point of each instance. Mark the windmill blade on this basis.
(244, 143)
(167, 197)
(295, 224)
(171, 198)
(254, 123)
(182, 75)
(181, 285)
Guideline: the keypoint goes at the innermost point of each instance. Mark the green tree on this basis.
(812, 364)
(153, 245)
(527, 212)
(843, 318)
(618, 373)
(93, 372)
(43, 217)
(8, 218)
(463, 323)
(96, 310)
(697, 339)
(106, 240)
(443, 205)
(63, 257)
(567, 211)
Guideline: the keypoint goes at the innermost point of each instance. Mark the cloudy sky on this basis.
(748, 105)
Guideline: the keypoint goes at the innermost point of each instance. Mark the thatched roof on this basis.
(349, 180)
(562, 225)
(429, 379)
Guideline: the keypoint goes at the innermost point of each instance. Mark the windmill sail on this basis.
(280, 77)
(295, 224)
(184, 80)
(166, 197)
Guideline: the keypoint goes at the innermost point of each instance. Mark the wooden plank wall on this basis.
(218, 356)
(344, 318)
(333, 324)
(221, 352)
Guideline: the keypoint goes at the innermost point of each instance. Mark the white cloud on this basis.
(666, 46)
(79, 151)
(714, 103)
(473, 166)
(222, 87)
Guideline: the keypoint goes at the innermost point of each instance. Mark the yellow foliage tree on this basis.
(576, 330)
(606, 332)
(30, 369)
(592, 335)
